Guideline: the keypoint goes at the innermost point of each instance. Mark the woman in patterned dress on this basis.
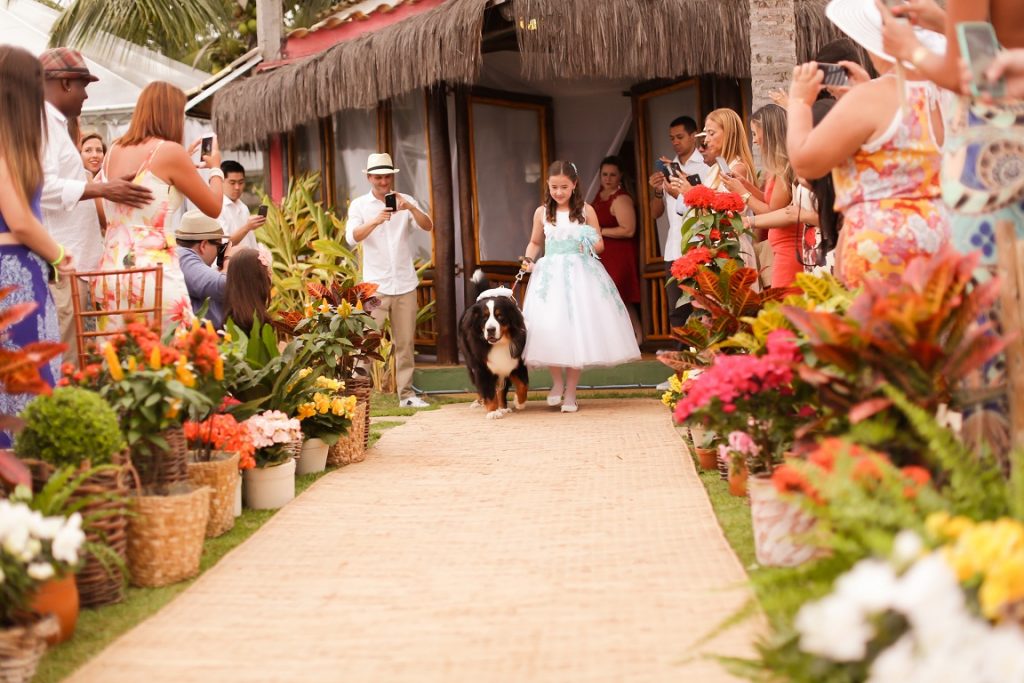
(882, 143)
(151, 153)
(26, 249)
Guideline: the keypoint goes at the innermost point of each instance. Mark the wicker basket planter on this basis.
(351, 447)
(165, 537)
(778, 526)
(269, 488)
(361, 388)
(158, 472)
(312, 458)
(220, 473)
(22, 647)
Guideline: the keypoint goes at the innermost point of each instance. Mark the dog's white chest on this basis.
(500, 360)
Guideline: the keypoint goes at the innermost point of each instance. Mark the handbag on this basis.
(983, 164)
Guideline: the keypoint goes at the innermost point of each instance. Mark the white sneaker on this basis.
(664, 386)
(413, 402)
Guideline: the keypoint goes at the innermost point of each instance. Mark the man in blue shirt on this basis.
(201, 241)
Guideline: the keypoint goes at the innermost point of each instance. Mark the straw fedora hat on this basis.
(861, 21)
(380, 164)
(197, 226)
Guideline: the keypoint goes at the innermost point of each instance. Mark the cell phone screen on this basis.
(391, 201)
(693, 179)
(723, 166)
(262, 211)
(677, 170)
(665, 171)
(834, 74)
(979, 45)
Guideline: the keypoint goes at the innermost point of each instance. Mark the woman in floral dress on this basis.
(138, 238)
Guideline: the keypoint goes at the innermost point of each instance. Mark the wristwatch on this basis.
(745, 197)
(919, 54)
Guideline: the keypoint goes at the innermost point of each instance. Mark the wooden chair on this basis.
(151, 313)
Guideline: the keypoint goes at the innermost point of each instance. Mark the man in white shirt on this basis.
(69, 212)
(387, 260)
(238, 223)
(668, 200)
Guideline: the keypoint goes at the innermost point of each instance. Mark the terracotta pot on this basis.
(58, 597)
(313, 457)
(708, 458)
(738, 481)
(269, 488)
(238, 498)
(779, 526)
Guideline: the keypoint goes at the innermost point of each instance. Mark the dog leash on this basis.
(516, 283)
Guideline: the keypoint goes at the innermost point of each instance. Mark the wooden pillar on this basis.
(269, 25)
(772, 47)
(465, 163)
(442, 201)
(1011, 311)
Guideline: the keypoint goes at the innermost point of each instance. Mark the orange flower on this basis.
(917, 478)
(789, 479)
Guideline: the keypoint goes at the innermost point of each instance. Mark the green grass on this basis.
(98, 627)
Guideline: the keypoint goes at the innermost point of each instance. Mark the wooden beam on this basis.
(1012, 318)
(442, 201)
(269, 26)
(465, 168)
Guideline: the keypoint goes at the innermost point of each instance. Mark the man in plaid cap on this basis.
(69, 214)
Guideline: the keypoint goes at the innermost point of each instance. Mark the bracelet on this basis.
(745, 197)
(216, 173)
(919, 54)
(659, 195)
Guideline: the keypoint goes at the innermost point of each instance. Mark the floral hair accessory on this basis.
(264, 256)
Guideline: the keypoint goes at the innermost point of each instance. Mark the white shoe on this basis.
(554, 400)
(413, 402)
(569, 407)
(664, 386)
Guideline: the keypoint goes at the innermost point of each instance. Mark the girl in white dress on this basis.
(574, 316)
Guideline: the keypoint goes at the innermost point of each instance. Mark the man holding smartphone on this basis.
(384, 221)
(668, 201)
(238, 223)
(201, 242)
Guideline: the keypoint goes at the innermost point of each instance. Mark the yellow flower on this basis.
(195, 323)
(132, 364)
(218, 368)
(1003, 585)
(173, 408)
(323, 403)
(668, 399)
(227, 337)
(359, 304)
(675, 383)
(116, 372)
(208, 326)
(328, 383)
(306, 410)
(154, 358)
(305, 372)
(325, 307)
(308, 311)
(184, 375)
(345, 309)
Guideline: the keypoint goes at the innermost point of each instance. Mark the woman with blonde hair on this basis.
(152, 152)
(27, 252)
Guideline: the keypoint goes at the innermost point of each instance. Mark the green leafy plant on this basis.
(70, 425)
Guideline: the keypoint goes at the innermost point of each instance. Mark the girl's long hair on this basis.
(159, 113)
(735, 145)
(773, 122)
(22, 119)
(247, 289)
(829, 222)
(576, 203)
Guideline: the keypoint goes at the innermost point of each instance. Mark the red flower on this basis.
(823, 458)
(789, 479)
(700, 197)
(869, 467)
(917, 478)
(726, 202)
(715, 234)
(685, 267)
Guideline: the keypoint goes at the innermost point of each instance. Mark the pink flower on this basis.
(741, 442)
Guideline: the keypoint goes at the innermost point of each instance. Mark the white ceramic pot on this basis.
(268, 488)
(313, 457)
(238, 498)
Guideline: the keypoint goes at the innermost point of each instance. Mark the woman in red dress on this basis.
(617, 217)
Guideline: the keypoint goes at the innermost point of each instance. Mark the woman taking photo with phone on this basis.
(137, 238)
(882, 144)
(27, 252)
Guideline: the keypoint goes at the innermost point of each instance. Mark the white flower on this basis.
(932, 600)
(68, 540)
(871, 584)
(40, 571)
(895, 664)
(45, 528)
(834, 627)
(869, 251)
(32, 548)
(906, 548)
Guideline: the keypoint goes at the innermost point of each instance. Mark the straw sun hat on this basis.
(380, 164)
(862, 22)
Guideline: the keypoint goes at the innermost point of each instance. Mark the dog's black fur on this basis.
(492, 337)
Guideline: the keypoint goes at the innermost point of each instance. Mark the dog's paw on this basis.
(518, 405)
(496, 414)
(477, 403)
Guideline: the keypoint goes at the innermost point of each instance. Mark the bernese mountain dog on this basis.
(492, 337)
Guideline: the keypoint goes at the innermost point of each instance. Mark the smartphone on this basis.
(222, 249)
(723, 166)
(693, 179)
(206, 147)
(677, 170)
(262, 211)
(391, 201)
(835, 74)
(665, 170)
(978, 47)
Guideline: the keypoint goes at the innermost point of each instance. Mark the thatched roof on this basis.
(639, 39)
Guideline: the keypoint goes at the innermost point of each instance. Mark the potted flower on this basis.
(33, 550)
(735, 453)
(75, 428)
(219, 446)
(277, 439)
(326, 415)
